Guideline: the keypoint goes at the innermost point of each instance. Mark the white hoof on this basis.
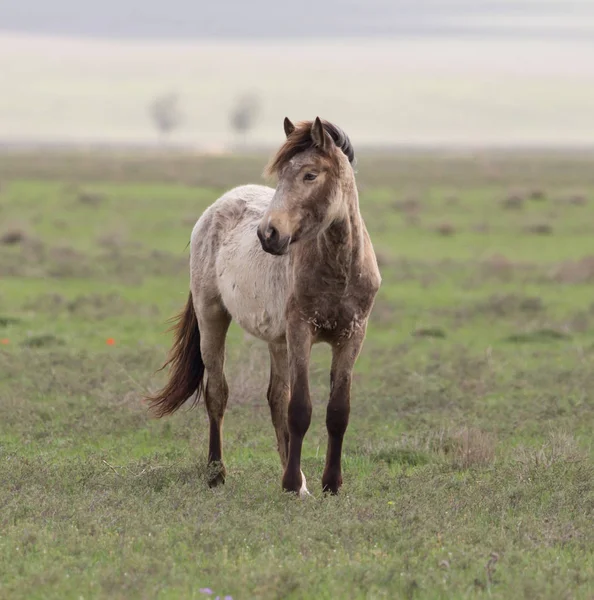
(303, 492)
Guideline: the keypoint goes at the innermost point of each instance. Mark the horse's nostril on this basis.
(272, 233)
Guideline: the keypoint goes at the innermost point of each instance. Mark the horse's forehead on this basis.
(303, 158)
(297, 161)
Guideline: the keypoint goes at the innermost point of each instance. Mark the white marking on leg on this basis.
(303, 492)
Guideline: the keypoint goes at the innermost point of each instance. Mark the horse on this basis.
(293, 266)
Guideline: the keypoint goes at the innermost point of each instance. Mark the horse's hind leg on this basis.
(278, 397)
(214, 322)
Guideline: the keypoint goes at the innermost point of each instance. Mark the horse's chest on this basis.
(340, 314)
(334, 328)
(336, 321)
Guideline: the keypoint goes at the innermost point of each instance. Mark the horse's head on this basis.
(312, 166)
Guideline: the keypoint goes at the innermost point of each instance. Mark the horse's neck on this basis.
(337, 253)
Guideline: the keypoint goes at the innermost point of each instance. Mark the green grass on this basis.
(468, 462)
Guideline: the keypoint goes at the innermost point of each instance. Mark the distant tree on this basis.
(244, 115)
(166, 114)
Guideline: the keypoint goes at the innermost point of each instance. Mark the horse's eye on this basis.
(309, 176)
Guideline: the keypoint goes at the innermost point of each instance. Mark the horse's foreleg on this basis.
(278, 397)
(299, 413)
(337, 413)
(214, 323)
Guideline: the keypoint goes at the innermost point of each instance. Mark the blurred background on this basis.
(218, 75)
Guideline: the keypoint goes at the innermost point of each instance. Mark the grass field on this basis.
(469, 464)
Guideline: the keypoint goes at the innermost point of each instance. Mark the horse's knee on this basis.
(299, 413)
(216, 394)
(337, 419)
(337, 413)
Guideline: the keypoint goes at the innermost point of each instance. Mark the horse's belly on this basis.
(260, 313)
(253, 287)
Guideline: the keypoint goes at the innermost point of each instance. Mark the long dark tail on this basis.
(186, 369)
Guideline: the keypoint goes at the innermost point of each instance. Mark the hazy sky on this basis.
(389, 71)
(191, 19)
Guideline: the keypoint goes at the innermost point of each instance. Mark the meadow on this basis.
(468, 462)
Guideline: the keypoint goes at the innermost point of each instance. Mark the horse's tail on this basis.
(186, 373)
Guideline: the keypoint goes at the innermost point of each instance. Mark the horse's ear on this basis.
(318, 135)
(289, 127)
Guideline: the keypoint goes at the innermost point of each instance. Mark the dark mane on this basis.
(301, 140)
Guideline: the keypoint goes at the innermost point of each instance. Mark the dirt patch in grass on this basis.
(42, 341)
(427, 272)
(462, 448)
(7, 321)
(64, 262)
(409, 206)
(539, 228)
(513, 201)
(133, 265)
(504, 305)
(113, 239)
(116, 262)
(409, 457)
(445, 229)
(515, 307)
(575, 271)
(575, 199)
(579, 322)
(468, 274)
(92, 199)
(23, 259)
(499, 267)
(12, 237)
(543, 335)
(90, 306)
(429, 332)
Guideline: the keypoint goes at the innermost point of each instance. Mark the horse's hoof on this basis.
(297, 485)
(216, 474)
(331, 484)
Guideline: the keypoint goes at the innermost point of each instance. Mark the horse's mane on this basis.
(300, 140)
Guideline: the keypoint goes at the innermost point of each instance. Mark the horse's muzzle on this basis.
(272, 242)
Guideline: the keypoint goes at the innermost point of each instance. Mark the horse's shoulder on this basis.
(248, 195)
(233, 207)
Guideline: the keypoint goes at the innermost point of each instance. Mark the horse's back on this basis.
(239, 203)
(227, 262)
(240, 207)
